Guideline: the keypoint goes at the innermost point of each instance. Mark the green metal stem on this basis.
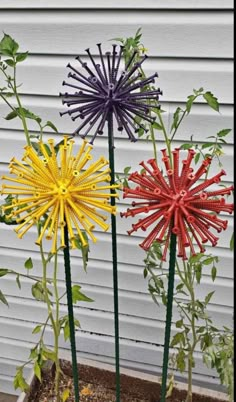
(114, 258)
(71, 314)
(168, 315)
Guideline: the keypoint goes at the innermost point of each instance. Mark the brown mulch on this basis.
(98, 385)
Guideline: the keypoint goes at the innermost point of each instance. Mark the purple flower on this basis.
(105, 91)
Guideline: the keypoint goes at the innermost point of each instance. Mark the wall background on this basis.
(190, 45)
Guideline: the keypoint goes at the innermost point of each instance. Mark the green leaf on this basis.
(179, 286)
(180, 360)
(198, 91)
(224, 132)
(208, 297)
(3, 299)
(200, 330)
(157, 126)
(122, 40)
(37, 329)
(34, 352)
(3, 271)
(66, 330)
(11, 115)
(51, 125)
(77, 323)
(179, 323)
(196, 158)
(186, 146)
(18, 281)
(10, 62)
(207, 145)
(211, 100)
(8, 46)
(29, 263)
(84, 249)
(213, 273)
(189, 103)
(19, 380)
(177, 339)
(21, 57)
(231, 244)
(37, 371)
(198, 272)
(65, 394)
(49, 354)
(164, 299)
(127, 169)
(79, 296)
(208, 261)
(38, 291)
(30, 115)
(176, 118)
(195, 258)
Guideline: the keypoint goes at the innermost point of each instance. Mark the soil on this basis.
(98, 385)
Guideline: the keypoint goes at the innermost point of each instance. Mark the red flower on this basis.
(176, 205)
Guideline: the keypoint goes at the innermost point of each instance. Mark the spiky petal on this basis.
(62, 189)
(177, 204)
(104, 89)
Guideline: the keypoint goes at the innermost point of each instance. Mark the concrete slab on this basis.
(7, 398)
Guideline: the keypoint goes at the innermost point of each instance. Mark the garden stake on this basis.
(71, 314)
(114, 258)
(168, 315)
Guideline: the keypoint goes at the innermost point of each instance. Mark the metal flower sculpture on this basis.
(68, 195)
(176, 205)
(108, 91)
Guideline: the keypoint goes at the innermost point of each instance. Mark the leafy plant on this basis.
(43, 289)
(220, 356)
(194, 326)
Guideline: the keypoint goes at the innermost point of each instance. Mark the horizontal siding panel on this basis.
(137, 304)
(132, 328)
(143, 151)
(43, 75)
(8, 367)
(122, 4)
(6, 385)
(8, 237)
(99, 273)
(201, 123)
(83, 26)
(105, 347)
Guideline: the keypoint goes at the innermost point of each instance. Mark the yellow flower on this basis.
(65, 191)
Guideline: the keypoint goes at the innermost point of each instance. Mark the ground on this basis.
(7, 398)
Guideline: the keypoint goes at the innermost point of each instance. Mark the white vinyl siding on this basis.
(190, 46)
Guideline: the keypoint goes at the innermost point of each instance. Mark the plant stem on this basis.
(189, 285)
(167, 141)
(180, 121)
(6, 101)
(153, 142)
(21, 109)
(50, 313)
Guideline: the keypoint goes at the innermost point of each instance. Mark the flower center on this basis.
(179, 197)
(62, 189)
